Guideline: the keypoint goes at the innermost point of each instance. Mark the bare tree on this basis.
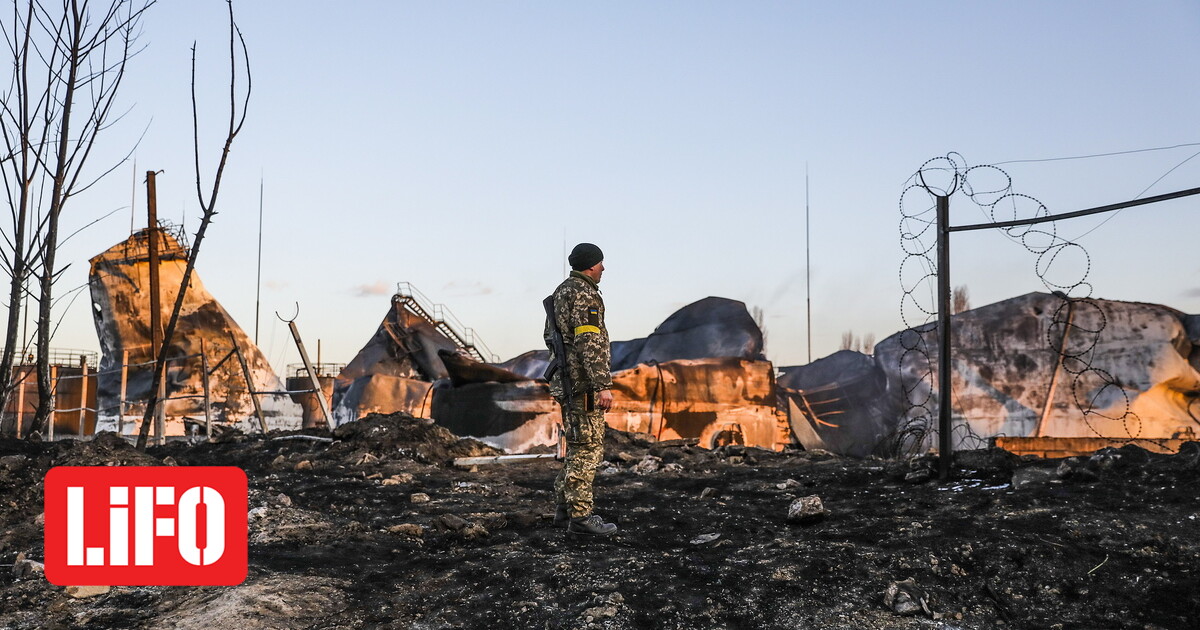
(760, 320)
(17, 127)
(960, 299)
(69, 61)
(864, 344)
(207, 205)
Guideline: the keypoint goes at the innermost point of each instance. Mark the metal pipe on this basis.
(312, 375)
(1079, 213)
(501, 459)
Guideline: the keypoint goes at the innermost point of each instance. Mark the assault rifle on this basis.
(559, 366)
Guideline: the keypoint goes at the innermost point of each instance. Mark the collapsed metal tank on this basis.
(119, 282)
(700, 375)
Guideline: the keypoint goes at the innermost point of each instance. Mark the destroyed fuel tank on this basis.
(397, 367)
(1128, 372)
(839, 403)
(120, 291)
(715, 401)
(675, 383)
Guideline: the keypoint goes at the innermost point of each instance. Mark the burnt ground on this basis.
(340, 538)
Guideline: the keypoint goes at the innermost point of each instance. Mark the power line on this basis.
(1096, 155)
(1139, 195)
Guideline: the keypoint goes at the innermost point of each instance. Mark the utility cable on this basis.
(1096, 155)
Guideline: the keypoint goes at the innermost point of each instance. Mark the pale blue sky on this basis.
(456, 145)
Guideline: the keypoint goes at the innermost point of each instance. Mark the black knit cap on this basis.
(585, 256)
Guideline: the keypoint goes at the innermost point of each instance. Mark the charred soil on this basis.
(370, 526)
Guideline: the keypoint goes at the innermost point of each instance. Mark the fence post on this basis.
(54, 397)
(1058, 363)
(312, 375)
(160, 410)
(21, 401)
(83, 389)
(207, 396)
(943, 272)
(249, 382)
(121, 396)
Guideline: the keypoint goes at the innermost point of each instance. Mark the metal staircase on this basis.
(409, 298)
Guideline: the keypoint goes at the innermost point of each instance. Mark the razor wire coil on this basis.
(1061, 264)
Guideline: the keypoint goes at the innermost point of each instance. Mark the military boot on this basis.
(561, 515)
(591, 526)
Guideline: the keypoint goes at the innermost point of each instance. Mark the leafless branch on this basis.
(91, 223)
(236, 119)
(69, 61)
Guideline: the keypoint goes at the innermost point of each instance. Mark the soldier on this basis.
(581, 381)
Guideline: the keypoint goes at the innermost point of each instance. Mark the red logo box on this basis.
(145, 525)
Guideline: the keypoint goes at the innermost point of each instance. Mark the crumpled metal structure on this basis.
(700, 375)
(1133, 367)
(119, 284)
(838, 403)
(395, 370)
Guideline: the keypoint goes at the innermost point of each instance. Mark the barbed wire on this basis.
(1062, 265)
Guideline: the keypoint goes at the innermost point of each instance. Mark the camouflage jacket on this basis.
(580, 311)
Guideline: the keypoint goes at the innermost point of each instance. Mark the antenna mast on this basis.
(258, 281)
(807, 264)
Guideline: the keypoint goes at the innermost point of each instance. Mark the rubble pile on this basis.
(419, 438)
(371, 526)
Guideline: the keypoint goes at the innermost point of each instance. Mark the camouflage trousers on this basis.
(584, 433)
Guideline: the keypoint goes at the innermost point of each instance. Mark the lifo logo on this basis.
(145, 525)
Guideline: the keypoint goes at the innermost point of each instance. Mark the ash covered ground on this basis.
(376, 530)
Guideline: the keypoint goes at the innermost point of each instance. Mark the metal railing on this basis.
(445, 322)
(23, 378)
(26, 379)
(59, 356)
(137, 246)
(296, 370)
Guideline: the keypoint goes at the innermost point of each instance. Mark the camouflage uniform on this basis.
(580, 313)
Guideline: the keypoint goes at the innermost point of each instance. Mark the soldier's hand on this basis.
(604, 399)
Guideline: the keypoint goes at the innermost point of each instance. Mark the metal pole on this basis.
(133, 195)
(249, 382)
(124, 387)
(312, 375)
(1080, 213)
(258, 280)
(83, 390)
(944, 337)
(807, 264)
(155, 303)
